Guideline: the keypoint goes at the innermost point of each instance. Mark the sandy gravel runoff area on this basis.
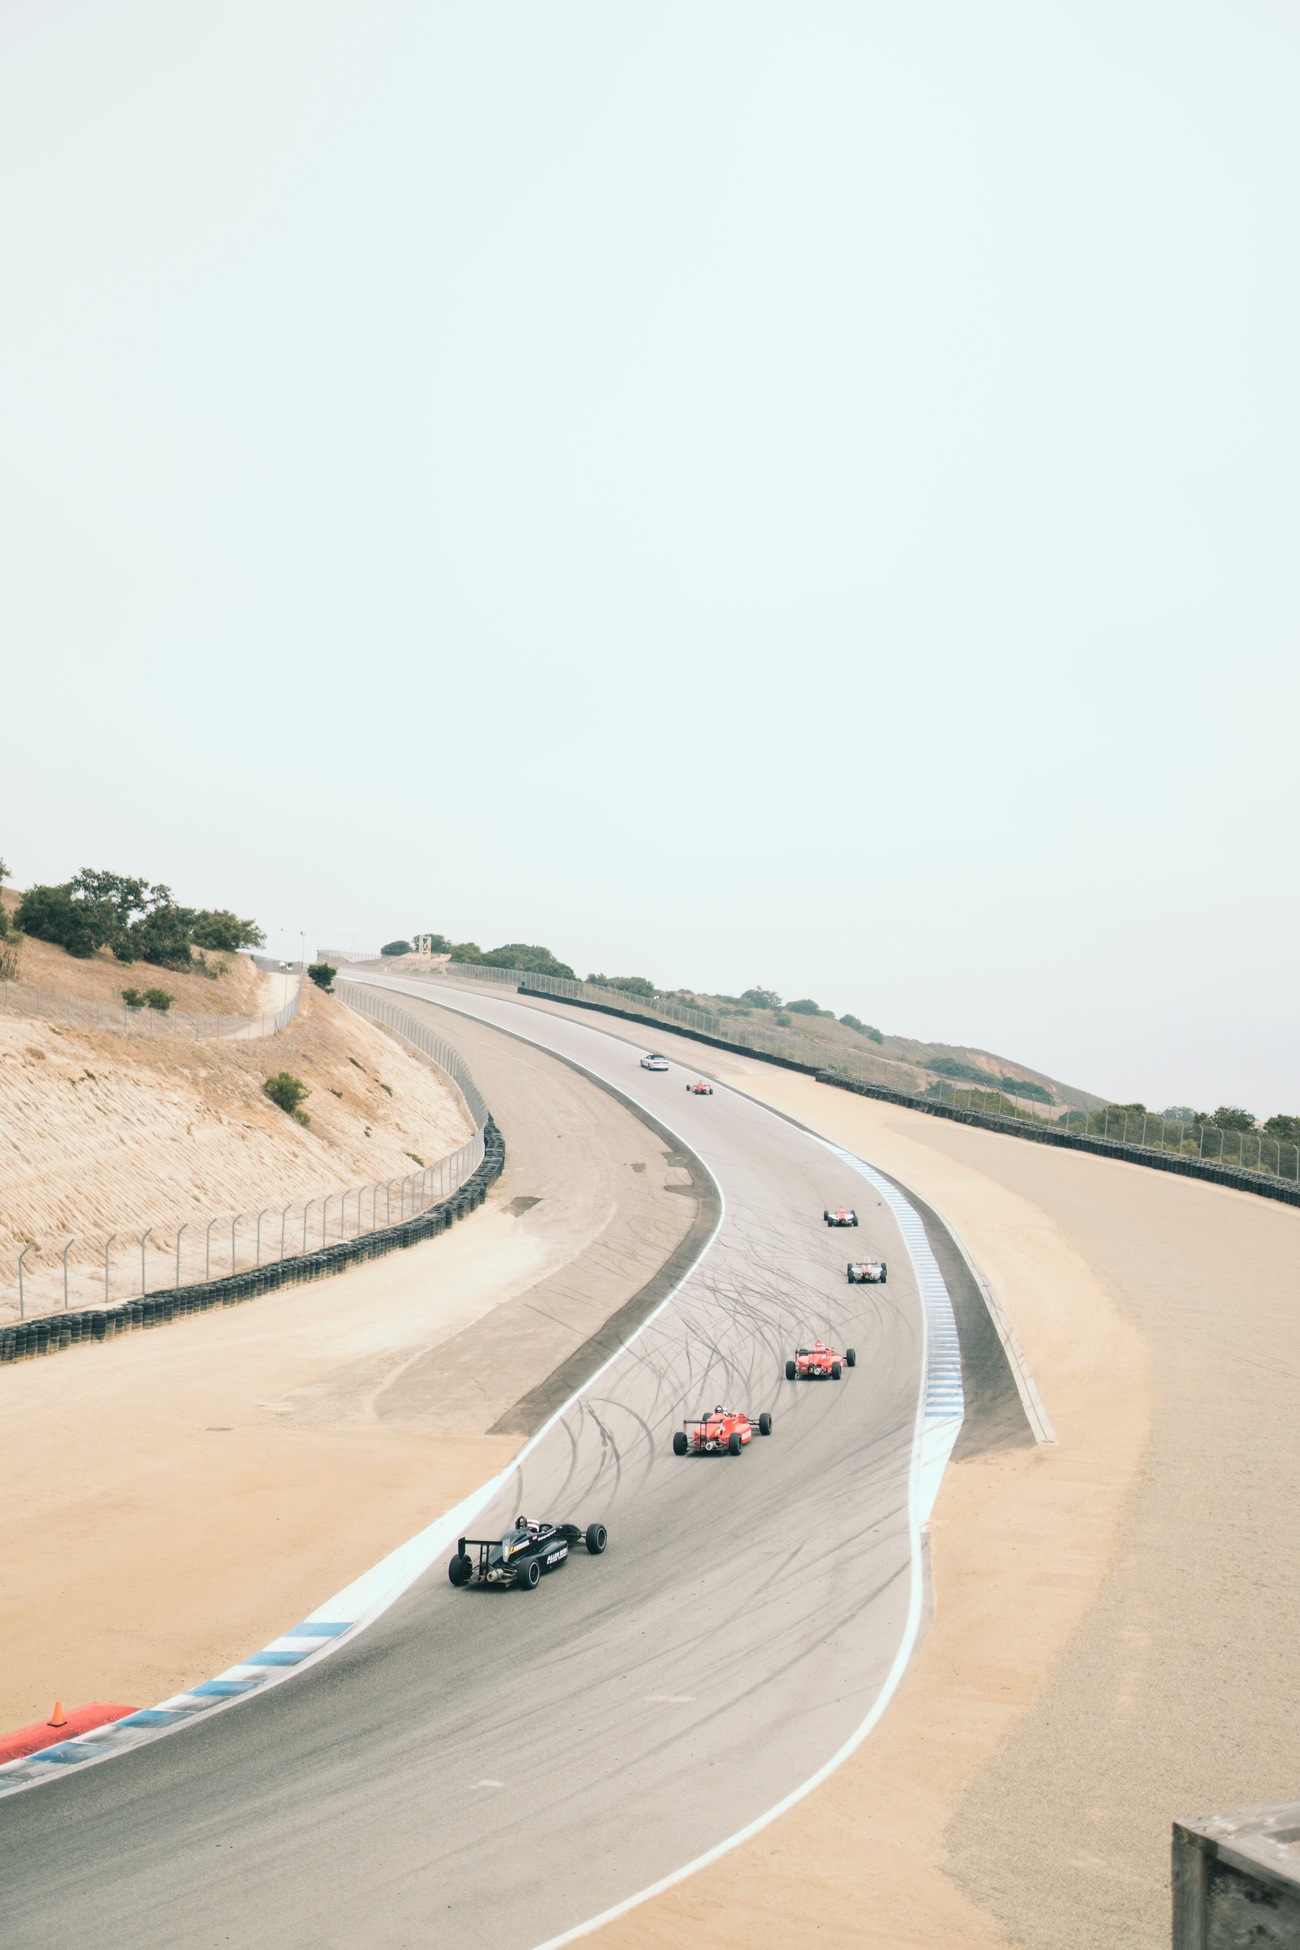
(1114, 1635)
(1115, 1632)
(175, 1499)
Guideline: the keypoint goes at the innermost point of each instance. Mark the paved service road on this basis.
(500, 1766)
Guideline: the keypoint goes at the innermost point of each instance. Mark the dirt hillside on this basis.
(100, 1133)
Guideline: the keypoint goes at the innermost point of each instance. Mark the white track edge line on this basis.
(415, 1555)
(902, 1659)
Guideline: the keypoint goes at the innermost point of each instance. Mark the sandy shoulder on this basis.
(176, 1498)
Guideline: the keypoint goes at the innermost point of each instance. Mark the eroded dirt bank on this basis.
(101, 1134)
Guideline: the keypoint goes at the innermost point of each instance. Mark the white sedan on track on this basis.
(653, 1062)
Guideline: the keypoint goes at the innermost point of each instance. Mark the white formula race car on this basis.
(867, 1272)
(843, 1215)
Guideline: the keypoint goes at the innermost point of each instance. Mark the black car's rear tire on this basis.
(765, 1423)
(851, 1356)
(460, 1570)
(791, 1370)
(597, 1538)
(884, 1274)
(530, 1574)
(734, 1444)
(835, 1370)
(680, 1444)
(854, 1220)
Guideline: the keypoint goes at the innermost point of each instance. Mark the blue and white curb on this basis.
(332, 1624)
(943, 1397)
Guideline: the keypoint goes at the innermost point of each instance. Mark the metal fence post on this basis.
(179, 1231)
(22, 1298)
(207, 1250)
(284, 1220)
(261, 1215)
(66, 1250)
(144, 1241)
(233, 1225)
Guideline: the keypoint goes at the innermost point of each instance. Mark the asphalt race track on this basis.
(500, 1766)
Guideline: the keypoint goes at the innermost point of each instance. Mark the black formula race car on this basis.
(523, 1554)
(843, 1215)
(867, 1272)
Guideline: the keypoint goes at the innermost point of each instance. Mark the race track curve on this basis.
(501, 1767)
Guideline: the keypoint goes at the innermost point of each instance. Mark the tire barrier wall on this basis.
(52, 1332)
(1134, 1154)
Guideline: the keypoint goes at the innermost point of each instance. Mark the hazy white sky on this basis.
(800, 494)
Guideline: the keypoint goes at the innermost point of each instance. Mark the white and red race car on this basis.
(819, 1363)
(700, 1088)
(868, 1272)
(843, 1215)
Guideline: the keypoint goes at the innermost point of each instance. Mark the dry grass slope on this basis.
(103, 1134)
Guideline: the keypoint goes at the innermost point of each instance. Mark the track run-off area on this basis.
(514, 1767)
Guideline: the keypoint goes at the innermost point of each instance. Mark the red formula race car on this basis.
(725, 1432)
(868, 1272)
(843, 1215)
(700, 1088)
(819, 1363)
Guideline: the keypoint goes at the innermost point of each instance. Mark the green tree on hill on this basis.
(139, 922)
(529, 958)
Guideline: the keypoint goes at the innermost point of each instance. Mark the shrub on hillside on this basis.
(288, 1093)
(863, 1028)
(51, 914)
(396, 948)
(530, 958)
(1285, 1129)
(626, 984)
(761, 998)
(805, 1006)
(148, 999)
(323, 975)
(218, 928)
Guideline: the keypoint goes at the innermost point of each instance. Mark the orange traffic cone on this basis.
(59, 1718)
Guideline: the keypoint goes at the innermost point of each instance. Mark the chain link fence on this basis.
(94, 1271)
(1242, 1150)
(155, 1025)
